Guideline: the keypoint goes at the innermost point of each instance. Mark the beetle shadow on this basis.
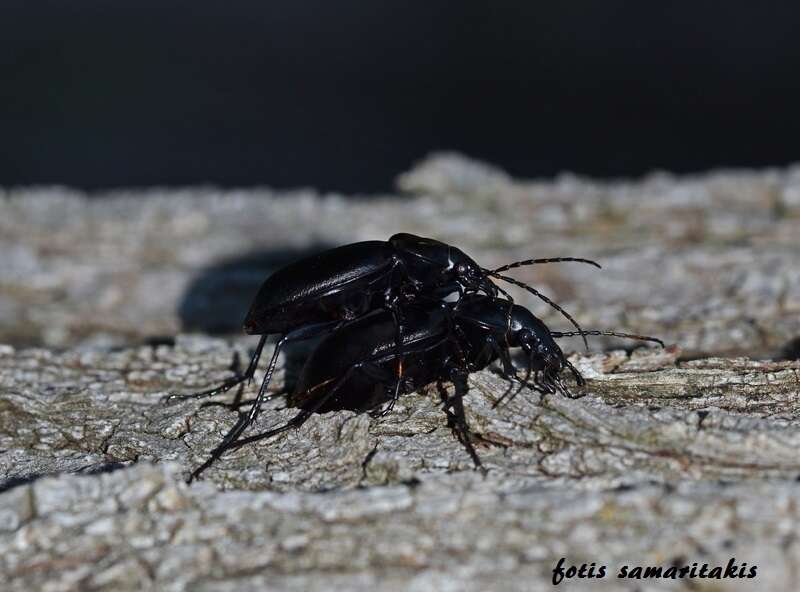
(95, 469)
(218, 298)
(12, 482)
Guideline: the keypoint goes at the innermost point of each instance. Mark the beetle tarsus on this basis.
(457, 418)
(228, 384)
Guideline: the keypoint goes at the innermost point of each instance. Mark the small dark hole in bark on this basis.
(678, 561)
(728, 544)
(157, 340)
(101, 468)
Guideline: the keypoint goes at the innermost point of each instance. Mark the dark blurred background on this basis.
(345, 95)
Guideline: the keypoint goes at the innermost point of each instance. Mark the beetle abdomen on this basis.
(364, 390)
(371, 340)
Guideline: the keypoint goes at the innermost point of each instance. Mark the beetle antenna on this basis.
(535, 292)
(516, 264)
(558, 334)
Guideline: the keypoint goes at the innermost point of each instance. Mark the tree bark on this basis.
(657, 463)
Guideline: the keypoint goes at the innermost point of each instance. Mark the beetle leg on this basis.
(384, 411)
(578, 378)
(373, 371)
(302, 416)
(457, 418)
(522, 383)
(300, 334)
(505, 358)
(228, 384)
(493, 349)
(383, 378)
(398, 342)
(297, 335)
(231, 440)
(508, 372)
(248, 418)
(396, 270)
(539, 385)
(397, 315)
(245, 419)
(562, 388)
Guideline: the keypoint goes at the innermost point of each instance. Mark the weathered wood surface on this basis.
(670, 457)
(656, 463)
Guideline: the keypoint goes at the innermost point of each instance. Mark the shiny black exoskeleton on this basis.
(349, 281)
(353, 367)
(313, 296)
(489, 327)
(471, 334)
(319, 294)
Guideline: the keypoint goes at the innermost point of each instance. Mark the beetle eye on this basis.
(461, 269)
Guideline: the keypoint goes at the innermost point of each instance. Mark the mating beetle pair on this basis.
(381, 305)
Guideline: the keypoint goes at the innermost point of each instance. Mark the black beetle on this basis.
(353, 367)
(488, 329)
(360, 356)
(315, 295)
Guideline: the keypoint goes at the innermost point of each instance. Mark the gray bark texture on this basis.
(670, 457)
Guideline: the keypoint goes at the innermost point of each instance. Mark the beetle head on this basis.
(544, 353)
(532, 335)
(436, 263)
